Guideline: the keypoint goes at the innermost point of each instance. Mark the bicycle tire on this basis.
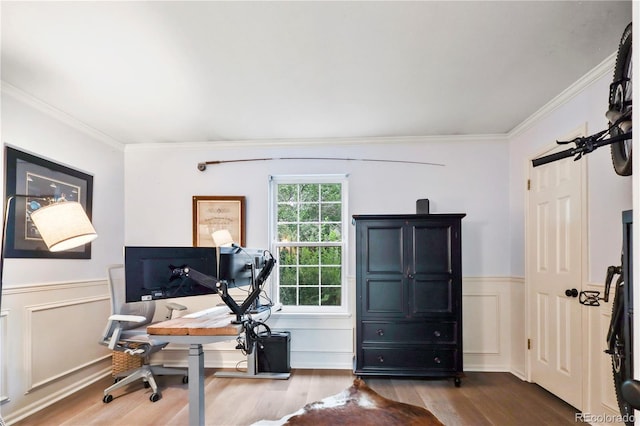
(620, 98)
(618, 358)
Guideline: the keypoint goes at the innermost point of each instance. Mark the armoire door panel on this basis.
(432, 249)
(384, 296)
(384, 250)
(432, 296)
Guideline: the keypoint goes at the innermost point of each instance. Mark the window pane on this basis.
(288, 192)
(309, 233)
(309, 276)
(288, 275)
(331, 255)
(330, 296)
(309, 192)
(288, 256)
(309, 213)
(309, 256)
(288, 295)
(309, 296)
(332, 232)
(331, 212)
(287, 233)
(287, 212)
(331, 275)
(331, 192)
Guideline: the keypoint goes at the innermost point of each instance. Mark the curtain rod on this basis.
(203, 166)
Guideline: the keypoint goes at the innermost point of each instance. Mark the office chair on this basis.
(126, 332)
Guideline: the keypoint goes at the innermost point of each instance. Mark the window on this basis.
(309, 234)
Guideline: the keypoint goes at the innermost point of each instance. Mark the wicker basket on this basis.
(121, 362)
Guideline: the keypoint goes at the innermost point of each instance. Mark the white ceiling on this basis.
(144, 72)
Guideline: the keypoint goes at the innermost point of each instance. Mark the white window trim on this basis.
(312, 178)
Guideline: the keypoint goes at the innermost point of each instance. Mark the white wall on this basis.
(54, 310)
(161, 179)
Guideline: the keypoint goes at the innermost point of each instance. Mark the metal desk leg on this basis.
(196, 385)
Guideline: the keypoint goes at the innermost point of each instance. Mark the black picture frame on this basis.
(27, 174)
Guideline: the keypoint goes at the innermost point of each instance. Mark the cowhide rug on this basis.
(357, 405)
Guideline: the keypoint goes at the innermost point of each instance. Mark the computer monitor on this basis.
(148, 270)
(235, 264)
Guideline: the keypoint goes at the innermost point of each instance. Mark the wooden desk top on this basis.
(206, 325)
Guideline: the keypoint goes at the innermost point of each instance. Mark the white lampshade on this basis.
(64, 225)
(222, 238)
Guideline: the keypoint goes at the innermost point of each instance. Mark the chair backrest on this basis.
(117, 288)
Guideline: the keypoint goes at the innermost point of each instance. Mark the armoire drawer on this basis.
(399, 332)
(409, 359)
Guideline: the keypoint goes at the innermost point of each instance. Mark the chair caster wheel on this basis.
(154, 397)
(457, 382)
(185, 379)
(107, 399)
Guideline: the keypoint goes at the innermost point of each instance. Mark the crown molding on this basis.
(602, 69)
(20, 95)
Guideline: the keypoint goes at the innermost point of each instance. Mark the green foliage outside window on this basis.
(310, 274)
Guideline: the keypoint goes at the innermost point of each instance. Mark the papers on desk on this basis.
(213, 311)
(222, 309)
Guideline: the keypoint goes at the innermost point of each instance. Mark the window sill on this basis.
(299, 314)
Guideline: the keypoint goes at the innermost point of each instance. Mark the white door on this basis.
(554, 241)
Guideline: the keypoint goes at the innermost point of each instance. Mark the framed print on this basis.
(212, 213)
(48, 183)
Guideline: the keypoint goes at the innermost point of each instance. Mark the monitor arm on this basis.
(220, 286)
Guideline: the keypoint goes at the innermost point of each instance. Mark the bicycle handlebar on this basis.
(584, 145)
(554, 157)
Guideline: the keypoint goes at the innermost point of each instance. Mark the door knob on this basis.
(571, 292)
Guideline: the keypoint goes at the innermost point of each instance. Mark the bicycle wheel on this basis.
(618, 357)
(620, 102)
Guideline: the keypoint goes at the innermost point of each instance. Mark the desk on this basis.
(197, 330)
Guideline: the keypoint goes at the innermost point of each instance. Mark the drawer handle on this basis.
(436, 333)
(380, 332)
(437, 360)
(380, 359)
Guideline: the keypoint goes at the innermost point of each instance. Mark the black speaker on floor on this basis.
(273, 352)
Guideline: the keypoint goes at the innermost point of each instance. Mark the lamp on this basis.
(62, 226)
(222, 238)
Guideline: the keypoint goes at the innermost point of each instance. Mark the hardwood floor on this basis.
(483, 399)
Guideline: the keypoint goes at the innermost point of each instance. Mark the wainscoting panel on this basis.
(47, 356)
(3, 356)
(481, 310)
(486, 313)
(52, 333)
